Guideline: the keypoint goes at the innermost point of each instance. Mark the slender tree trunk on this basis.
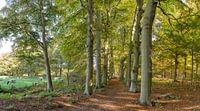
(197, 70)
(128, 74)
(110, 40)
(163, 73)
(89, 50)
(163, 67)
(121, 69)
(176, 67)
(66, 5)
(105, 65)
(122, 59)
(68, 67)
(45, 49)
(192, 71)
(149, 15)
(56, 72)
(172, 68)
(60, 70)
(185, 67)
(111, 65)
(137, 34)
(51, 2)
(12, 74)
(98, 51)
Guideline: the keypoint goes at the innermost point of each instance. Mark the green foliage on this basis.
(8, 96)
(72, 88)
(175, 35)
(22, 22)
(48, 94)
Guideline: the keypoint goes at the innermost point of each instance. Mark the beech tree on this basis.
(137, 33)
(149, 15)
(98, 51)
(89, 49)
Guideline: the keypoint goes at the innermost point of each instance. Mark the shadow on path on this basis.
(114, 97)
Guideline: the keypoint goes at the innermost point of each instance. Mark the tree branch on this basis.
(81, 1)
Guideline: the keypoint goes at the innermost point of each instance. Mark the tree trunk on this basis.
(121, 69)
(68, 66)
(197, 70)
(149, 15)
(185, 67)
(192, 71)
(176, 67)
(51, 3)
(45, 49)
(105, 65)
(66, 5)
(137, 33)
(128, 74)
(60, 70)
(89, 50)
(111, 59)
(111, 65)
(98, 51)
(162, 67)
(56, 72)
(172, 68)
(122, 58)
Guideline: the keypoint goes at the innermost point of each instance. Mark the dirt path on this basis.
(115, 97)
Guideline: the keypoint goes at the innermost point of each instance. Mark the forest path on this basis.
(114, 97)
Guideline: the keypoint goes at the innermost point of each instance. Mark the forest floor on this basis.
(115, 97)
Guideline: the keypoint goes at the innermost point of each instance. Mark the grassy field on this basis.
(20, 82)
(34, 86)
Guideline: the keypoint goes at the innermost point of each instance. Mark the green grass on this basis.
(21, 82)
(64, 88)
(7, 96)
(161, 80)
(48, 94)
(24, 87)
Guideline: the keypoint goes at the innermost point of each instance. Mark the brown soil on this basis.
(114, 97)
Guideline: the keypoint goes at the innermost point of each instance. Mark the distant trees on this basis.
(175, 42)
(31, 21)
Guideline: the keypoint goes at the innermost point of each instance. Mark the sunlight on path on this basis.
(115, 97)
